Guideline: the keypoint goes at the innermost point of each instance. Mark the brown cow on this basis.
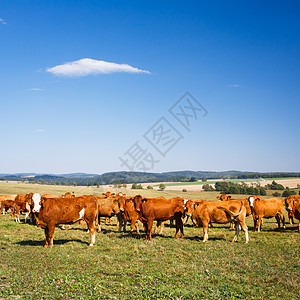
(53, 211)
(289, 200)
(268, 208)
(22, 204)
(6, 203)
(68, 195)
(151, 209)
(130, 214)
(109, 207)
(221, 212)
(292, 205)
(223, 197)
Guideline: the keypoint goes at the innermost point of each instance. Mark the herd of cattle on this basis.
(48, 211)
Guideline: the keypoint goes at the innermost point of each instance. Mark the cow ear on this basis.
(144, 200)
(196, 204)
(229, 197)
(218, 197)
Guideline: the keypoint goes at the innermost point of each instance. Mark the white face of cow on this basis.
(36, 199)
(251, 201)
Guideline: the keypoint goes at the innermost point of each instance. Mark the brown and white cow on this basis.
(54, 211)
(292, 205)
(268, 208)
(221, 212)
(151, 209)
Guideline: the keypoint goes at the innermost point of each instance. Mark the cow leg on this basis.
(282, 220)
(145, 224)
(51, 229)
(205, 231)
(162, 226)
(245, 229)
(150, 224)
(291, 220)
(185, 219)
(258, 225)
(158, 223)
(122, 223)
(47, 237)
(17, 215)
(99, 227)
(299, 226)
(237, 231)
(179, 225)
(137, 228)
(254, 222)
(92, 229)
(26, 217)
(277, 220)
(231, 226)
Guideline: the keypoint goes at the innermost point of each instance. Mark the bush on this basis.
(149, 187)
(162, 187)
(184, 190)
(276, 194)
(274, 186)
(193, 179)
(288, 193)
(262, 191)
(207, 187)
(136, 186)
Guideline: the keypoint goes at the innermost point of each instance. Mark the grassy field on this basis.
(123, 267)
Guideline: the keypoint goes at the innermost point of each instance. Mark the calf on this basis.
(292, 204)
(221, 212)
(268, 208)
(151, 209)
(54, 211)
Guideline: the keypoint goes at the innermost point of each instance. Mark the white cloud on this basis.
(39, 130)
(2, 21)
(35, 89)
(234, 85)
(88, 66)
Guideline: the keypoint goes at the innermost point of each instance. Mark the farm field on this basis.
(120, 266)
(197, 186)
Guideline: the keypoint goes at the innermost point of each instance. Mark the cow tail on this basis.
(232, 214)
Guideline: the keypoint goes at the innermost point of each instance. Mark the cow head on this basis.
(121, 201)
(36, 203)
(138, 200)
(289, 203)
(223, 197)
(190, 206)
(251, 200)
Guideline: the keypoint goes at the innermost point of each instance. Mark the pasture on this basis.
(120, 266)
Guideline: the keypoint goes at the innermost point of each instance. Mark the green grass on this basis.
(124, 267)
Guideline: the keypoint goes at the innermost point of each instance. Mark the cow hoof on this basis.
(45, 246)
(91, 245)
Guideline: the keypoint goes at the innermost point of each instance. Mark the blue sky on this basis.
(239, 60)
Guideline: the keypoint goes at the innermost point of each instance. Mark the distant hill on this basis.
(138, 177)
